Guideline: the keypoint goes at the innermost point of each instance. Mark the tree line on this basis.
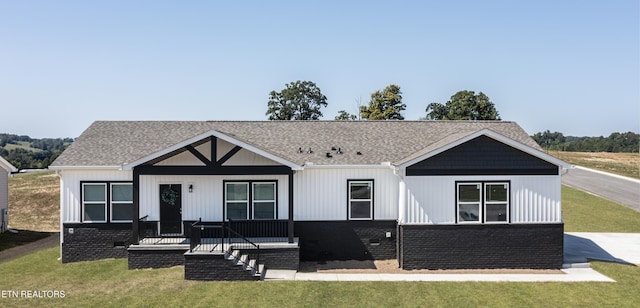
(31, 153)
(628, 142)
(303, 100)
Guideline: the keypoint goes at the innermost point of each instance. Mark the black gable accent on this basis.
(483, 156)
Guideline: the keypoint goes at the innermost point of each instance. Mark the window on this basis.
(250, 200)
(237, 200)
(94, 202)
(264, 200)
(360, 200)
(496, 202)
(107, 202)
(483, 202)
(121, 202)
(469, 202)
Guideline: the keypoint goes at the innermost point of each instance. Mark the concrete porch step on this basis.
(247, 264)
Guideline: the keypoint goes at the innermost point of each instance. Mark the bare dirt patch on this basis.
(391, 267)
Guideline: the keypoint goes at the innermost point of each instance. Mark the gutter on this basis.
(60, 168)
(382, 165)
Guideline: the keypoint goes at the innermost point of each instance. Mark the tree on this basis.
(464, 105)
(547, 139)
(384, 105)
(345, 116)
(300, 100)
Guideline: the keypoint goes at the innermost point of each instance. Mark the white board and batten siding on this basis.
(432, 199)
(206, 201)
(70, 202)
(321, 193)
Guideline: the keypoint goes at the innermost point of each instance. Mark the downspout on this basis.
(135, 223)
(62, 212)
(290, 222)
(402, 213)
(402, 196)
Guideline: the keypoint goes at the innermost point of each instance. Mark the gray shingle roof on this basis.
(115, 143)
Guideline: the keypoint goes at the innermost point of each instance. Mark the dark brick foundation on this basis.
(533, 246)
(88, 242)
(346, 240)
(213, 267)
(155, 257)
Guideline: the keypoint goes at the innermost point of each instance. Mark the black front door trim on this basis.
(170, 209)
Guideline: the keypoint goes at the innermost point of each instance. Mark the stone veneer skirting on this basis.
(532, 246)
(88, 242)
(156, 256)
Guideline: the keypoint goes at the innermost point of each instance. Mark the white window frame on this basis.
(482, 213)
(105, 202)
(254, 201)
(227, 201)
(479, 203)
(119, 202)
(484, 189)
(350, 200)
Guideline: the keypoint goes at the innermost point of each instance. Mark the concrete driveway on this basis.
(580, 247)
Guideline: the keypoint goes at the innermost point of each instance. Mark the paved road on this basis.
(623, 190)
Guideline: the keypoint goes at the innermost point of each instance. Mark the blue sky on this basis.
(568, 66)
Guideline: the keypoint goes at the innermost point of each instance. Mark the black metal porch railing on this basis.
(143, 228)
(203, 234)
(220, 236)
(266, 230)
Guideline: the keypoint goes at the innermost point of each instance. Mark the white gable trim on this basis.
(7, 166)
(244, 145)
(493, 135)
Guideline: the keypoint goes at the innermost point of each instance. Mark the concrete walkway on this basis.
(579, 248)
(569, 275)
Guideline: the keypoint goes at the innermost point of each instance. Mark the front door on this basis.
(170, 209)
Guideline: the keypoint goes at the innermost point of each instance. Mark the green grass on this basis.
(109, 283)
(21, 145)
(583, 212)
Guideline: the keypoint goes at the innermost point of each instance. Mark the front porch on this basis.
(217, 251)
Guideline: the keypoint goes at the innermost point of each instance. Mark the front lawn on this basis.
(109, 283)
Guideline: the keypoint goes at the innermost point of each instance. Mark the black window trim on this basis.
(107, 202)
(250, 197)
(373, 199)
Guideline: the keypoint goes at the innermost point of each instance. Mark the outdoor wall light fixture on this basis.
(190, 188)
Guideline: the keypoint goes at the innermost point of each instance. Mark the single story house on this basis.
(5, 169)
(430, 194)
